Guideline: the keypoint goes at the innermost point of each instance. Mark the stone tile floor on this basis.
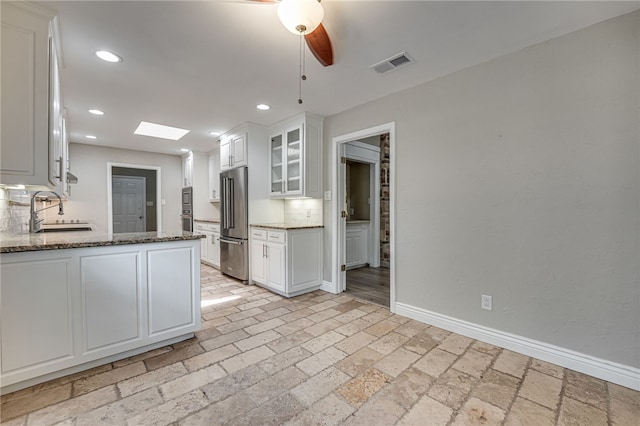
(320, 359)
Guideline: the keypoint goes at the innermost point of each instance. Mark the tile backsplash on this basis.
(14, 211)
(303, 211)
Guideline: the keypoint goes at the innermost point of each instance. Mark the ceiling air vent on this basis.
(393, 63)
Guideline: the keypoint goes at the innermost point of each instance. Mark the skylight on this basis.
(160, 131)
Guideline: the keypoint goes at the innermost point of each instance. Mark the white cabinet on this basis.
(210, 245)
(214, 175)
(187, 169)
(288, 262)
(32, 142)
(357, 244)
(295, 158)
(233, 150)
(65, 308)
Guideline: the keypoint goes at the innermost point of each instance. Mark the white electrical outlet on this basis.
(486, 302)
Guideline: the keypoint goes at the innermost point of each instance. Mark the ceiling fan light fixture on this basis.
(300, 16)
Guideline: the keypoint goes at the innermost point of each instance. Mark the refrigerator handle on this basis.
(232, 197)
(224, 203)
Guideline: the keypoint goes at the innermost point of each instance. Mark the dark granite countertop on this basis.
(12, 243)
(285, 226)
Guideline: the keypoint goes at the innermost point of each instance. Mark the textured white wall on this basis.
(519, 178)
(89, 197)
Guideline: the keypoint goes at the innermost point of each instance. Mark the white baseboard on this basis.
(613, 372)
(328, 287)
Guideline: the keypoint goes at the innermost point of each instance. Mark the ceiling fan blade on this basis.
(320, 45)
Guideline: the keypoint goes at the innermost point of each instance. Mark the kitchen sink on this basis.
(65, 229)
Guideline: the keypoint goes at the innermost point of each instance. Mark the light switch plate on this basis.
(327, 195)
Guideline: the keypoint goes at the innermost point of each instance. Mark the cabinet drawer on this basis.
(277, 236)
(199, 229)
(259, 234)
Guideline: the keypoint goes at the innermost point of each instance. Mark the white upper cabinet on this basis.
(31, 137)
(214, 175)
(233, 151)
(295, 159)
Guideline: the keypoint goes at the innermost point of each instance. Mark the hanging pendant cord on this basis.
(302, 67)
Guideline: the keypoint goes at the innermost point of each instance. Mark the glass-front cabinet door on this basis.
(277, 168)
(293, 182)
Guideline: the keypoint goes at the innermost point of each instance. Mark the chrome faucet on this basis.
(34, 222)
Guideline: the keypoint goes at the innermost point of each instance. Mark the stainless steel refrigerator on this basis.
(234, 226)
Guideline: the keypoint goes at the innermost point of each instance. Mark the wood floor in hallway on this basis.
(371, 284)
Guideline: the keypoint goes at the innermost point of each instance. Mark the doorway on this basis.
(363, 215)
(133, 198)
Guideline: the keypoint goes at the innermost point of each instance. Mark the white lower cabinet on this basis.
(209, 246)
(288, 262)
(357, 244)
(68, 310)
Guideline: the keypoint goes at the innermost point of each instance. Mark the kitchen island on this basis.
(73, 301)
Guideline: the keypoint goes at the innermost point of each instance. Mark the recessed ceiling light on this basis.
(263, 107)
(184, 149)
(105, 55)
(96, 112)
(160, 131)
(215, 133)
(91, 137)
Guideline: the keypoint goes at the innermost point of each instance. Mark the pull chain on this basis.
(302, 67)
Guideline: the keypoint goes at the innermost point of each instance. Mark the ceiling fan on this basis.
(304, 17)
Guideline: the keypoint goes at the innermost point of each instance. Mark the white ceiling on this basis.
(204, 65)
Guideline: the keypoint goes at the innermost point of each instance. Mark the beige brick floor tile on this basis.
(381, 328)
(224, 340)
(319, 386)
(624, 413)
(254, 304)
(352, 327)
(624, 394)
(245, 359)
(236, 325)
(476, 412)
(359, 361)
(13, 407)
(355, 342)
(273, 313)
(411, 328)
(191, 381)
(587, 389)
(452, 388)
(323, 315)
(360, 389)
(389, 343)
(283, 360)
(296, 314)
(345, 307)
(91, 383)
(119, 411)
(408, 387)
(170, 411)
(527, 413)
(73, 407)
(264, 326)
(377, 315)
(511, 363)
(293, 326)
(275, 385)
(473, 363)
(496, 388)
(220, 313)
(547, 368)
(329, 411)
(323, 327)
(285, 343)
(324, 305)
(21, 421)
(234, 383)
(214, 322)
(455, 344)
(349, 316)
(318, 362)
(396, 362)
(427, 411)
(438, 334)
(576, 413)
(153, 378)
(257, 340)
(378, 411)
(175, 355)
(420, 343)
(273, 413)
(435, 362)
(211, 357)
(323, 341)
(540, 388)
(140, 357)
(369, 307)
(486, 348)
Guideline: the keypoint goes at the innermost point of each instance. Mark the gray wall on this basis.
(89, 196)
(519, 178)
